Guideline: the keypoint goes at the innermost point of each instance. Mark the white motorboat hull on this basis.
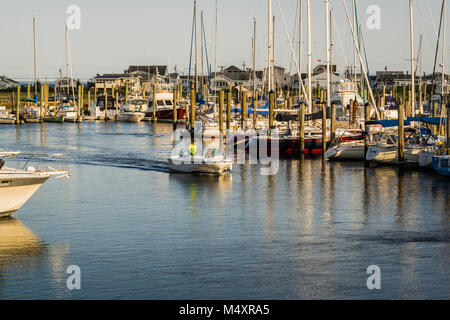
(346, 151)
(16, 191)
(131, 116)
(389, 155)
(188, 165)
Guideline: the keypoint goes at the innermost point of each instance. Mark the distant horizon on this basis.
(114, 35)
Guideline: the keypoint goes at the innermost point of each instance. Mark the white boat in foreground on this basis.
(352, 150)
(199, 164)
(17, 186)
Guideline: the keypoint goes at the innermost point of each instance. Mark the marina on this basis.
(260, 182)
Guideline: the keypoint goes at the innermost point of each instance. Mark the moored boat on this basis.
(162, 98)
(441, 165)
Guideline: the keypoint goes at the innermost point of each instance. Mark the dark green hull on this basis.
(54, 119)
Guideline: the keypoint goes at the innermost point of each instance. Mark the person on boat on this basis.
(192, 148)
(211, 150)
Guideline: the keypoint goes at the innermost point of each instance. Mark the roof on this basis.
(162, 70)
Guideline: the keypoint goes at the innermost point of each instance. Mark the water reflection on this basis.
(17, 242)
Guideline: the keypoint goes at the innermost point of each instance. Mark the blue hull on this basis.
(441, 165)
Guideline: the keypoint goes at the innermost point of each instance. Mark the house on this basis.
(147, 73)
(7, 83)
(116, 81)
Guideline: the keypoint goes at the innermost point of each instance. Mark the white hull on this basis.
(131, 116)
(16, 190)
(426, 158)
(389, 155)
(198, 165)
(346, 151)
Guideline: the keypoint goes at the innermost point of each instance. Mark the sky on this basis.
(115, 34)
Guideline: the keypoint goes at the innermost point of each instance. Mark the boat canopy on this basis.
(394, 123)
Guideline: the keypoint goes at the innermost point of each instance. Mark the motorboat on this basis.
(162, 98)
(441, 164)
(200, 164)
(5, 117)
(18, 185)
(131, 116)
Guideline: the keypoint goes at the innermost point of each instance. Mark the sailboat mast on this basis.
(34, 55)
(309, 58)
(354, 49)
(66, 41)
(300, 39)
(419, 61)
(196, 49)
(215, 51)
(443, 59)
(270, 48)
(254, 59)
(355, 43)
(202, 89)
(327, 14)
(413, 69)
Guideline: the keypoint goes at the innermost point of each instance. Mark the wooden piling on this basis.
(18, 106)
(324, 128)
(271, 108)
(255, 107)
(153, 102)
(350, 114)
(229, 97)
(221, 103)
(55, 104)
(401, 133)
(409, 105)
(420, 100)
(46, 91)
(41, 110)
(435, 114)
(244, 110)
(333, 122)
(116, 117)
(302, 128)
(106, 104)
(82, 102)
(89, 100)
(448, 128)
(366, 136)
(192, 117)
(79, 104)
(175, 113)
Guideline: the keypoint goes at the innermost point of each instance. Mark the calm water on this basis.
(139, 232)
